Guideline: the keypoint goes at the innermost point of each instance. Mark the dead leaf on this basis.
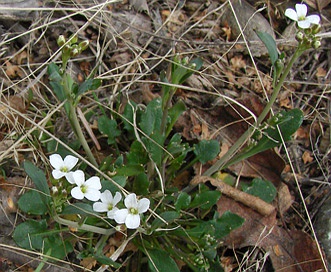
(290, 251)
(284, 198)
(307, 157)
(318, 4)
(140, 5)
(7, 115)
(88, 262)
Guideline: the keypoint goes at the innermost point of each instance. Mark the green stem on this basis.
(84, 227)
(225, 161)
(79, 133)
(73, 118)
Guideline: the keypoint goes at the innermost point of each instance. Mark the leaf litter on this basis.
(131, 41)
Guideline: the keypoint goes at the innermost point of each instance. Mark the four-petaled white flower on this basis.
(299, 15)
(131, 215)
(89, 188)
(108, 203)
(62, 167)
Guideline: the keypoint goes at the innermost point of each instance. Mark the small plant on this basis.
(132, 196)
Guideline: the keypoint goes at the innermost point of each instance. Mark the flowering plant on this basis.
(158, 218)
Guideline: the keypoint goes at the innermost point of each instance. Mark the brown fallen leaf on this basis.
(289, 251)
(318, 4)
(7, 115)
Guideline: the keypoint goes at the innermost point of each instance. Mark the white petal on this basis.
(304, 24)
(70, 178)
(117, 198)
(92, 194)
(106, 197)
(100, 207)
(70, 162)
(143, 205)
(93, 182)
(290, 13)
(121, 215)
(77, 193)
(56, 161)
(132, 221)
(131, 201)
(79, 177)
(314, 19)
(57, 174)
(301, 10)
(111, 214)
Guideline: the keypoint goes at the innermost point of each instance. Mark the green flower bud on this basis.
(66, 49)
(84, 45)
(73, 39)
(316, 44)
(61, 40)
(316, 29)
(74, 52)
(299, 36)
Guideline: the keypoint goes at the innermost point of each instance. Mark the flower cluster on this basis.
(90, 189)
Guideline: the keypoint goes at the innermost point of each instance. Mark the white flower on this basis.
(131, 215)
(89, 188)
(62, 167)
(108, 203)
(299, 15)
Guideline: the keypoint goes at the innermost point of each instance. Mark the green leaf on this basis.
(108, 185)
(263, 189)
(39, 179)
(130, 170)
(54, 72)
(207, 150)
(107, 261)
(59, 247)
(26, 235)
(160, 261)
(31, 203)
(87, 85)
(183, 201)
(270, 44)
(128, 116)
(78, 208)
(109, 127)
(154, 146)
(152, 117)
(168, 216)
(137, 154)
(226, 223)
(141, 184)
(58, 90)
(205, 200)
(174, 113)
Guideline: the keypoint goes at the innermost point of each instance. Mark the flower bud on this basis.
(61, 40)
(74, 52)
(316, 29)
(316, 44)
(84, 45)
(54, 190)
(299, 36)
(73, 39)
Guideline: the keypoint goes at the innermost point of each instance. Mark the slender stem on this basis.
(85, 227)
(222, 163)
(79, 133)
(73, 118)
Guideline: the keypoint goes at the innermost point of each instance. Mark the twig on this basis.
(251, 201)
